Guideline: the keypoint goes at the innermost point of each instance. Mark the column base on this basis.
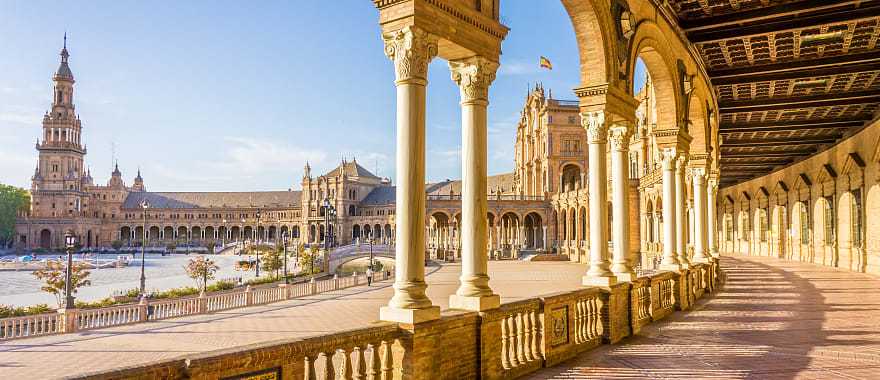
(703, 260)
(472, 303)
(671, 267)
(409, 316)
(599, 281)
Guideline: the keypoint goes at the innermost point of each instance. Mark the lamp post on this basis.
(284, 247)
(144, 205)
(259, 240)
(327, 209)
(69, 243)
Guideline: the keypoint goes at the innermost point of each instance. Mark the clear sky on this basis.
(237, 95)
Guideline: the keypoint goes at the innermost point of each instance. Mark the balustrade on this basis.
(87, 319)
(31, 325)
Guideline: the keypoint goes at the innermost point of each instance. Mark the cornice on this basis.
(495, 28)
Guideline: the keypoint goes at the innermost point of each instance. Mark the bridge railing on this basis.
(72, 320)
(506, 342)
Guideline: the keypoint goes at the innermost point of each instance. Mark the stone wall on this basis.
(840, 184)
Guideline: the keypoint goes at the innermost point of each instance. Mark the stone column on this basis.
(670, 259)
(597, 137)
(700, 196)
(544, 238)
(411, 49)
(474, 76)
(619, 136)
(681, 216)
(711, 219)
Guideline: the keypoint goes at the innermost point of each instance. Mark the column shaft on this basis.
(411, 49)
(474, 75)
(681, 216)
(670, 259)
(621, 267)
(700, 197)
(597, 135)
(711, 219)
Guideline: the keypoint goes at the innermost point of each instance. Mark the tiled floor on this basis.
(773, 320)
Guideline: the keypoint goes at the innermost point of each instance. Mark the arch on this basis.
(387, 234)
(235, 231)
(377, 231)
(593, 40)
(570, 176)
(209, 232)
(284, 232)
(168, 233)
(182, 233)
(313, 235)
(196, 233)
(294, 232)
(351, 210)
(46, 238)
(273, 233)
(89, 238)
(153, 233)
(649, 45)
(355, 231)
(248, 233)
(139, 234)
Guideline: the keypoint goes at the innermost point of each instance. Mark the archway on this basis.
(570, 177)
(153, 233)
(355, 231)
(46, 239)
(168, 233)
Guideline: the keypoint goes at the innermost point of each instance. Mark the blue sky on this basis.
(237, 95)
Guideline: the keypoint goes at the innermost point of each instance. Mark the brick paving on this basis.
(77, 354)
(773, 320)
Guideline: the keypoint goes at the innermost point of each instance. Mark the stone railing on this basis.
(72, 320)
(508, 342)
(31, 325)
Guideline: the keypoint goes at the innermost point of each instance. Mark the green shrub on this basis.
(96, 304)
(7, 311)
(263, 280)
(221, 285)
(176, 292)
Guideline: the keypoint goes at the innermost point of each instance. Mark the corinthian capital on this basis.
(620, 135)
(669, 156)
(682, 163)
(697, 174)
(594, 123)
(473, 76)
(411, 49)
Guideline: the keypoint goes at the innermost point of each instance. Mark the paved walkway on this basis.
(773, 320)
(77, 354)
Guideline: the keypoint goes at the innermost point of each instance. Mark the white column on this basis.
(411, 49)
(619, 136)
(700, 197)
(544, 238)
(681, 218)
(597, 138)
(711, 219)
(474, 76)
(670, 259)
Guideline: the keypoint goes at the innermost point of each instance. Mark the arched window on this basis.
(857, 237)
(762, 224)
(805, 224)
(829, 221)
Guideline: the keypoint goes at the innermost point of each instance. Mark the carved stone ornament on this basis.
(698, 174)
(473, 77)
(668, 156)
(559, 326)
(620, 136)
(411, 49)
(597, 130)
(682, 163)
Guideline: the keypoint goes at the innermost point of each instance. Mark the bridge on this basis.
(348, 253)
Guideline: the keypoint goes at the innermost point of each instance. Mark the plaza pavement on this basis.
(80, 353)
(773, 320)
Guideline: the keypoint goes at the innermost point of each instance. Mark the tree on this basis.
(201, 270)
(13, 201)
(307, 258)
(54, 277)
(271, 260)
(211, 245)
(116, 244)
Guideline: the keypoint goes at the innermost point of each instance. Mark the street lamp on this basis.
(259, 240)
(144, 205)
(225, 231)
(284, 247)
(69, 243)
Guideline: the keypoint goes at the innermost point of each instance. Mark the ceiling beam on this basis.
(809, 101)
(769, 153)
(763, 14)
(772, 164)
(787, 126)
(809, 64)
(745, 143)
(843, 66)
(790, 21)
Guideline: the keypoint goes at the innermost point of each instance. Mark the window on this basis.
(805, 225)
(572, 119)
(857, 237)
(762, 224)
(829, 221)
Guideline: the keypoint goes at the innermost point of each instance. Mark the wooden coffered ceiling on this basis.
(791, 75)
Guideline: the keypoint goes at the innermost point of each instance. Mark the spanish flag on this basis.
(545, 63)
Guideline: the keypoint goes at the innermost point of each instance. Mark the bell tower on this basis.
(59, 176)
